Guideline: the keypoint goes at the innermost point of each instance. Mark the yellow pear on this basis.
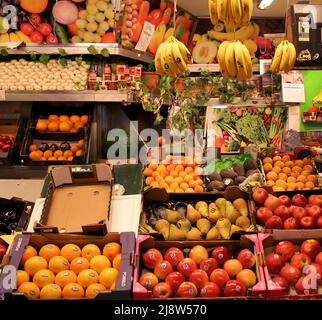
(231, 212)
(192, 214)
(213, 234)
(213, 213)
(221, 205)
(234, 228)
(194, 234)
(172, 216)
(223, 225)
(184, 225)
(176, 234)
(202, 207)
(203, 225)
(163, 227)
(243, 222)
(241, 205)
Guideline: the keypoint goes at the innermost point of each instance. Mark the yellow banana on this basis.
(221, 58)
(285, 57)
(247, 7)
(164, 62)
(239, 60)
(292, 58)
(277, 58)
(236, 11)
(157, 60)
(13, 37)
(179, 61)
(229, 20)
(213, 11)
(23, 37)
(230, 59)
(185, 53)
(242, 34)
(222, 9)
(173, 69)
(247, 62)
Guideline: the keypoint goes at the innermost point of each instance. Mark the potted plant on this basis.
(149, 78)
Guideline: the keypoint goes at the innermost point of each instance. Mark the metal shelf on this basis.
(195, 68)
(74, 49)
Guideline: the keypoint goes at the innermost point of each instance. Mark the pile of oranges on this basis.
(284, 174)
(175, 176)
(76, 150)
(69, 272)
(62, 123)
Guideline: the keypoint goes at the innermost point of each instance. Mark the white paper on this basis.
(293, 87)
(145, 37)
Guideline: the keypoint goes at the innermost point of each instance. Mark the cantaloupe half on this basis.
(204, 52)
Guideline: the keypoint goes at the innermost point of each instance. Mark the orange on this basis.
(43, 159)
(179, 168)
(64, 126)
(111, 250)
(68, 154)
(159, 179)
(41, 125)
(53, 117)
(174, 186)
(49, 251)
(87, 277)
(188, 178)
(286, 159)
(164, 173)
(43, 277)
(99, 263)
(164, 185)
(278, 189)
(80, 143)
(149, 180)
(154, 184)
(301, 178)
(305, 173)
(287, 171)
(73, 291)
(277, 170)
(279, 164)
(307, 161)
(291, 179)
(40, 153)
(53, 126)
(63, 278)
(90, 251)
(112, 288)
(171, 167)
(297, 169)
(63, 118)
(299, 163)
(33, 147)
(62, 158)
(51, 159)
(28, 253)
(300, 185)
(309, 184)
(168, 180)
(153, 166)
(192, 184)
(70, 158)
(190, 190)
(291, 186)
(179, 190)
(281, 183)
(199, 182)
(79, 264)
(79, 153)
(312, 178)
(271, 183)
(48, 154)
(35, 264)
(182, 174)
(277, 158)
(188, 169)
(70, 251)
(184, 186)
(169, 190)
(267, 167)
(117, 261)
(199, 171)
(178, 180)
(84, 119)
(78, 126)
(289, 164)
(35, 155)
(282, 176)
(174, 173)
(198, 188)
(21, 277)
(295, 174)
(50, 292)
(93, 290)
(108, 276)
(57, 264)
(268, 160)
(308, 168)
(30, 290)
(74, 148)
(58, 153)
(161, 167)
(75, 119)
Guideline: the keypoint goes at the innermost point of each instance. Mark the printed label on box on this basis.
(2, 95)
(145, 37)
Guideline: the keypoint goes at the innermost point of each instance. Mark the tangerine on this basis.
(300, 185)
(178, 180)
(312, 178)
(297, 169)
(268, 160)
(41, 126)
(307, 161)
(35, 155)
(50, 292)
(84, 119)
(99, 263)
(34, 264)
(174, 186)
(30, 289)
(282, 176)
(79, 264)
(70, 251)
(271, 183)
(74, 148)
(291, 179)
(73, 291)
(53, 126)
(277, 170)
(149, 180)
(63, 278)
(58, 153)
(21, 277)
(75, 119)
(299, 163)
(63, 118)
(179, 190)
(277, 158)
(287, 171)
(108, 276)
(53, 117)
(64, 126)
(28, 253)
(80, 143)
(43, 277)
(309, 184)
(198, 188)
(94, 289)
(90, 251)
(49, 251)
(267, 167)
(291, 186)
(117, 262)
(48, 154)
(301, 178)
(281, 183)
(62, 158)
(57, 264)
(190, 190)
(308, 168)
(174, 173)
(68, 154)
(33, 147)
(182, 174)
(286, 159)
(51, 159)
(154, 184)
(111, 250)
(87, 277)
(289, 164)
(279, 164)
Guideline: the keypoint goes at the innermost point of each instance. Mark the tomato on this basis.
(27, 28)
(51, 39)
(36, 37)
(45, 29)
(35, 19)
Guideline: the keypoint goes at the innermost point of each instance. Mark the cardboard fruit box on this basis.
(274, 291)
(258, 291)
(123, 285)
(77, 200)
(154, 199)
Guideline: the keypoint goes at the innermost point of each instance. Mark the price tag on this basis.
(145, 37)
(2, 95)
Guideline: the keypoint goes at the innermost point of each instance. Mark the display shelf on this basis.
(74, 49)
(195, 68)
(23, 172)
(260, 102)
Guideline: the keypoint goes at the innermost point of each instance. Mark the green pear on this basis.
(223, 225)
(221, 205)
(172, 216)
(192, 214)
(241, 206)
(203, 225)
(184, 225)
(231, 212)
(213, 234)
(194, 234)
(176, 234)
(213, 213)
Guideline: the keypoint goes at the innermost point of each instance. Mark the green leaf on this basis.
(158, 119)
(96, 86)
(92, 50)
(105, 53)
(63, 62)
(33, 56)
(79, 60)
(62, 52)
(4, 52)
(44, 58)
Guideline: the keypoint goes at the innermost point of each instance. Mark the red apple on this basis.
(299, 200)
(199, 278)
(318, 258)
(307, 223)
(174, 279)
(209, 265)
(174, 256)
(260, 195)
(198, 253)
(291, 223)
(187, 290)
(283, 212)
(272, 202)
(233, 267)
(221, 254)
(234, 288)
(274, 222)
(210, 290)
(302, 286)
(280, 281)
(263, 214)
(310, 247)
(151, 258)
(274, 263)
(315, 199)
(148, 280)
(220, 277)
(186, 266)
(246, 258)
(162, 290)
(319, 222)
(3, 250)
(290, 273)
(300, 260)
(162, 269)
(298, 212)
(285, 201)
(285, 249)
(314, 211)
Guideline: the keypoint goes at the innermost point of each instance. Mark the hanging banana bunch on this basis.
(233, 13)
(234, 60)
(172, 58)
(284, 57)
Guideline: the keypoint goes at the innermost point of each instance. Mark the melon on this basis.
(65, 12)
(204, 52)
(34, 6)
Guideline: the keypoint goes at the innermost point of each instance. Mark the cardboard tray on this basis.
(248, 241)
(123, 286)
(156, 195)
(282, 234)
(77, 200)
(12, 124)
(274, 292)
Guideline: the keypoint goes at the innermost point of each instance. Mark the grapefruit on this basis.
(87, 277)
(30, 289)
(63, 278)
(94, 289)
(57, 264)
(43, 277)
(108, 277)
(49, 251)
(35, 264)
(111, 250)
(73, 291)
(50, 292)
(79, 264)
(99, 263)
(70, 251)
